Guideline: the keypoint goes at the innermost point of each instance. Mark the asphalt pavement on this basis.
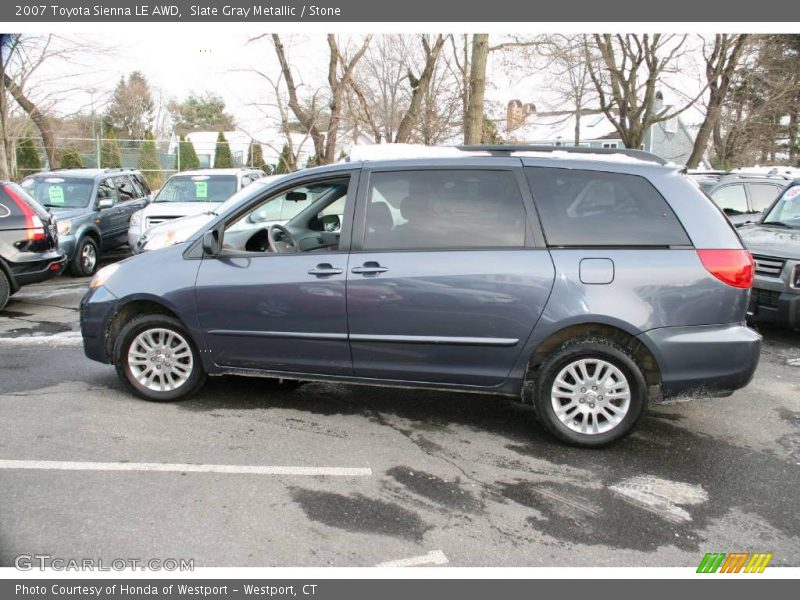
(249, 474)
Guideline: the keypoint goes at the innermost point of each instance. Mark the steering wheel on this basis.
(286, 243)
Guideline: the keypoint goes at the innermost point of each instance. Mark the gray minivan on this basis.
(583, 282)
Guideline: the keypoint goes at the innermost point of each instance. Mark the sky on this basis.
(180, 60)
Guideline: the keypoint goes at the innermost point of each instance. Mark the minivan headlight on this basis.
(136, 219)
(103, 275)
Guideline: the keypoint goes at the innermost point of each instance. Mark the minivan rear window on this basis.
(596, 208)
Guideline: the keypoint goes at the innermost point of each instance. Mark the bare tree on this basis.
(340, 72)
(380, 94)
(419, 87)
(626, 70)
(758, 121)
(24, 57)
(721, 62)
(473, 119)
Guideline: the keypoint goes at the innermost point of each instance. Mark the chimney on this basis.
(515, 115)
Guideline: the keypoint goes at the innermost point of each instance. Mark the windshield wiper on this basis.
(778, 223)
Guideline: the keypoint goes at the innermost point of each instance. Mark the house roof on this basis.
(550, 127)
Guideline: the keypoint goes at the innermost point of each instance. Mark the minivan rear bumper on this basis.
(714, 359)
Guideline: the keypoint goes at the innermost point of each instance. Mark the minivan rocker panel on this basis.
(557, 316)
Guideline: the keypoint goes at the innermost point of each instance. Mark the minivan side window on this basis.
(596, 208)
(438, 209)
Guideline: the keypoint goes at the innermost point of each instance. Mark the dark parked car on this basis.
(742, 197)
(583, 282)
(28, 242)
(775, 244)
(93, 206)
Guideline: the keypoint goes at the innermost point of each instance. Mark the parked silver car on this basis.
(190, 193)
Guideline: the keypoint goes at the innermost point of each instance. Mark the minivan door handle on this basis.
(324, 269)
(369, 268)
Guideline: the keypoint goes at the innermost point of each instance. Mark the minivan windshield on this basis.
(786, 211)
(60, 192)
(197, 188)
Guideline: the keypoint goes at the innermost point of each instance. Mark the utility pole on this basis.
(92, 92)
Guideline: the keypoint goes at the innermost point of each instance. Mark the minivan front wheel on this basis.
(157, 359)
(84, 263)
(590, 392)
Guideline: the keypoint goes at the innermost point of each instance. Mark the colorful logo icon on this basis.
(735, 562)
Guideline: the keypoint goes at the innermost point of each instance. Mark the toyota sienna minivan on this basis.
(583, 282)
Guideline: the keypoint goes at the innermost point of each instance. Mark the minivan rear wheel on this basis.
(590, 392)
(157, 360)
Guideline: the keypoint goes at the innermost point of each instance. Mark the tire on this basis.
(596, 412)
(163, 335)
(87, 255)
(5, 289)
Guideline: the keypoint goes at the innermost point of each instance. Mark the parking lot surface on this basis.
(249, 474)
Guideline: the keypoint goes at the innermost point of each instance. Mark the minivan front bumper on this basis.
(711, 359)
(97, 308)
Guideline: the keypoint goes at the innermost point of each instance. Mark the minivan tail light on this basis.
(34, 228)
(733, 267)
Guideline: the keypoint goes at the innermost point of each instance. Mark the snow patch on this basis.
(67, 338)
(661, 496)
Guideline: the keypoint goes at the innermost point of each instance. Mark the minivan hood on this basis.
(178, 209)
(174, 231)
(183, 226)
(771, 241)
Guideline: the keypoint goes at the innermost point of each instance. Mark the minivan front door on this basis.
(443, 285)
(277, 311)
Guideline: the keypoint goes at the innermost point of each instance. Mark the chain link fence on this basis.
(157, 159)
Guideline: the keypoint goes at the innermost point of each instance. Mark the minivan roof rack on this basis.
(509, 148)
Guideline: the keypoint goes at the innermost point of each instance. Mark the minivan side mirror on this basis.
(330, 222)
(105, 203)
(210, 243)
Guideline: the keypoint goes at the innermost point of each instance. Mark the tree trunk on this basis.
(473, 121)
(719, 76)
(411, 118)
(39, 119)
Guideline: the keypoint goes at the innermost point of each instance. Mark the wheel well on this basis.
(125, 314)
(640, 353)
(94, 235)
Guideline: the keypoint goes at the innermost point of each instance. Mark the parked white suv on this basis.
(190, 193)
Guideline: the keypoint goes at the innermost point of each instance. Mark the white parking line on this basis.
(435, 557)
(183, 468)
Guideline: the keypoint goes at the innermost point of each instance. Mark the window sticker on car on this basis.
(201, 189)
(55, 194)
(4, 211)
(792, 193)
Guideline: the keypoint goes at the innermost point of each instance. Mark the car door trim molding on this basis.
(302, 335)
(360, 337)
(434, 339)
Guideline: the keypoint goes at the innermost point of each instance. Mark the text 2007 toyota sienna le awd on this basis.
(584, 283)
